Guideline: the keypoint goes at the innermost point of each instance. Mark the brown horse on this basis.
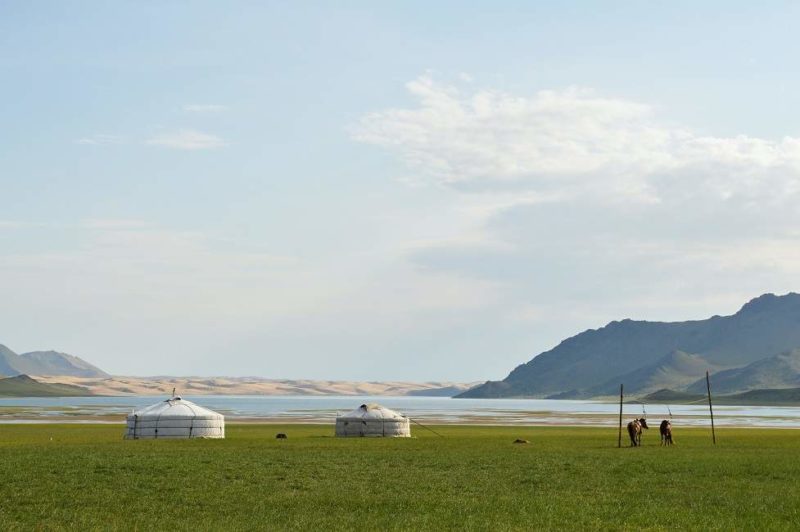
(666, 432)
(635, 431)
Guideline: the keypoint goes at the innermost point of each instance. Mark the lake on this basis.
(323, 409)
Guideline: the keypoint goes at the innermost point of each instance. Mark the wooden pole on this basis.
(711, 408)
(619, 437)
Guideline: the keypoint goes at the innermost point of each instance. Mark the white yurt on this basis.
(175, 418)
(373, 420)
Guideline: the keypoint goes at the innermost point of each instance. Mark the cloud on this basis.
(205, 108)
(89, 223)
(570, 142)
(155, 270)
(588, 208)
(13, 224)
(99, 140)
(153, 295)
(114, 223)
(187, 139)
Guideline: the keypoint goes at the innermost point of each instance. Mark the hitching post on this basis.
(619, 437)
(711, 409)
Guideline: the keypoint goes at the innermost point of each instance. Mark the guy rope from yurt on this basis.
(424, 427)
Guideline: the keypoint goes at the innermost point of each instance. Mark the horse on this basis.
(666, 432)
(635, 431)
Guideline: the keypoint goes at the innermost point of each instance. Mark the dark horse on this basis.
(635, 431)
(666, 432)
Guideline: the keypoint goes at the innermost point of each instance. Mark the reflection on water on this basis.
(310, 409)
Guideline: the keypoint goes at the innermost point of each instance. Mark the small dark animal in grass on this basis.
(635, 431)
(281, 436)
(666, 432)
(520, 441)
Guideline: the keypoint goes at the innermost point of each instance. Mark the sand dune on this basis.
(247, 386)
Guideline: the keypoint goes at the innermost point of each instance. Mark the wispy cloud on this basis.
(204, 108)
(114, 224)
(187, 139)
(99, 139)
(571, 141)
(573, 197)
(13, 224)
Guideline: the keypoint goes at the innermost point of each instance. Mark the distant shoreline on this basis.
(121, 386)
(423, 410)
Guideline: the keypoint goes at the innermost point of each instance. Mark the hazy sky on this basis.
(387, 190)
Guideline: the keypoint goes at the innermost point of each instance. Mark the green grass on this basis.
(86, 477)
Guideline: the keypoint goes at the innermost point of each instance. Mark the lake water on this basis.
(422, 409)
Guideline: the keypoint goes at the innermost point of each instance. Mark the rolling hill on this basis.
(779, 371)
(25, 386)
(593, 361)
(675, 371)
(781, 396)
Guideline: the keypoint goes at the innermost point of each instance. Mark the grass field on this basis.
(87, 477)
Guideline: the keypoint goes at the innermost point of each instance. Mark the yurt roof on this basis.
(372, 411)
(176, 407)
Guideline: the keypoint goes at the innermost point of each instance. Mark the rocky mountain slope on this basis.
(675, 371)
(779, 371)
(653, 355)
(45, 363)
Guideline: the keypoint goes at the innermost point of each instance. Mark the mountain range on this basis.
(62, 374)
(758, 347)
(45, 363)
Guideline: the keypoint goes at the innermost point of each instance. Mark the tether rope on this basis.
(426, 428)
